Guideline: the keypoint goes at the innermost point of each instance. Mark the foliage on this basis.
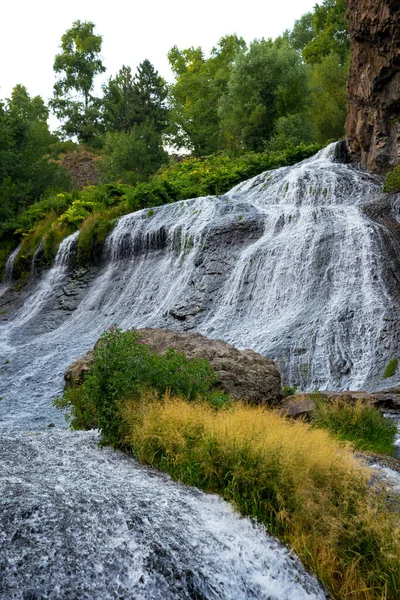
(301, 483)
(195, 94)
(391, 368)
(78, 64)
(132, 156)
(25, 169)
(123, 366)
(324, 33)
(392, 181)
(359, 423)
(130, 101)
(268, 81)
(328, 102)
(289, 390)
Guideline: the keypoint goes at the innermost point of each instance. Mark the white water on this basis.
(287, 264)
(8, 271)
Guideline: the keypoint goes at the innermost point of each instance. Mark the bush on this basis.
(391, 368)
(289, 390)
(362, 425)
(392, 182)
(122, 367)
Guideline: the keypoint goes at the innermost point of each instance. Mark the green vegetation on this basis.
(289, 390)
(240, 111)
(77, 65)
(95, 209)
(123, 366)
(391, 368)
(392, 182)
(299, 481)
(362, 425)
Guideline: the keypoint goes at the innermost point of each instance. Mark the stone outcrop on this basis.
(82, 168)
(243, 374)
(373, 122)
(302, 405)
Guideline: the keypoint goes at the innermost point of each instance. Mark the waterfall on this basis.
(288, 263)
(9, 271)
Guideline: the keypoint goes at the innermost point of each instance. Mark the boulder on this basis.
(302, 405)
(243, 374)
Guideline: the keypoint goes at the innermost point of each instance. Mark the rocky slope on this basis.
(373, 125)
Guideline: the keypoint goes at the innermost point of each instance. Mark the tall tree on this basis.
(130, 101)
(322, 32)
(25, 169)
(200, 83)
(118, 102)
(268, 81)
(78, 64)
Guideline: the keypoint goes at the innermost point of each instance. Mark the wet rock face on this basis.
(243, 374)
(373, 122)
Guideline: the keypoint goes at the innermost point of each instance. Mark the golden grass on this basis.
(305, 486)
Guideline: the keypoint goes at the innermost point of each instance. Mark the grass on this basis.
(392, 181)
(356, 422)
(391, 368)
(300, 482)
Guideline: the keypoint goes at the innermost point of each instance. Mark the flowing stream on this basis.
(287, 263)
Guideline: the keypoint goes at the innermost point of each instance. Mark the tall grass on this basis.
(356, 422)
(300, 482)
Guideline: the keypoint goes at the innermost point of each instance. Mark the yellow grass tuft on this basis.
(304, 485)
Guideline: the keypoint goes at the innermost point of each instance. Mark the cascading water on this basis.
(8, 271)
(288, 264)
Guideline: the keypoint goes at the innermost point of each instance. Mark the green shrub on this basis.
(391, 368)
(122, 367)
(289, 390)
(392, 181)
(356, 422)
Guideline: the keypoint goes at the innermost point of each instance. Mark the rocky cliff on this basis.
(373, 123)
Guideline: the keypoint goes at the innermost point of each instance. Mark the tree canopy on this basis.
(78, 64)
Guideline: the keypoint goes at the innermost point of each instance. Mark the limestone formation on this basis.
(243, 374)
(373, 122)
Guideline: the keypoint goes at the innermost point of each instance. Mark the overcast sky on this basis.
(31, 30)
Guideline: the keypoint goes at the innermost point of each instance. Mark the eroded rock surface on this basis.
(373, 125)
(243, 374)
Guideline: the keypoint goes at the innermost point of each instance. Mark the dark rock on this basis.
(373, 127)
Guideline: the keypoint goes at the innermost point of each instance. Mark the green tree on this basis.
(132, 156)
(129, 100)
(328, 108)
(330, 32)
(118, 101)
(25, 140)
(194, 97)
(78, 64)
(268, 81)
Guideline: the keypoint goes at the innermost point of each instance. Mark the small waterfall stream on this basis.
(287, 263)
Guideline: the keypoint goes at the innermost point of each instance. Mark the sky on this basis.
(31, 30)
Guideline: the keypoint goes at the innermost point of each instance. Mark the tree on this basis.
(78, 64)
(199, 86)
(118, 102)
(268, 81)
(329, 97)
(323, 33)
(132, 156)
(25, 140)
(130, 101)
